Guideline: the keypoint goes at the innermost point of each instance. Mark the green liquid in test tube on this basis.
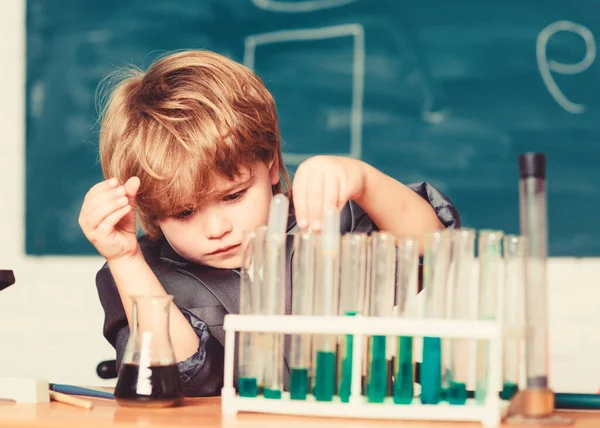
(272, 299)
(352, 292)
(407, 277)
(303, 278)
(381, 293)
(325, 300)
(250, 353)
(436, 265)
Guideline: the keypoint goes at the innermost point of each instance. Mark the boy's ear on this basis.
(274, 173)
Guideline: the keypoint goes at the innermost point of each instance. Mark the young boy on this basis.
(192, 148)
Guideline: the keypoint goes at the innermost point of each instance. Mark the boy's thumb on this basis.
(131, 188)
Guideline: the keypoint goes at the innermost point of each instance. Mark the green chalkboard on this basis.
(444, 91)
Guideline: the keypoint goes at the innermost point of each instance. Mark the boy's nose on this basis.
(216, 226)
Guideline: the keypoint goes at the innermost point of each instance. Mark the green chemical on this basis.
(272, 393)
(509, 390)
(377, 378)
(346, 369)
(325, 377)
(298, 384)
(431, 371)
(346, 376)
(457, 393)
(404, 382)
(247, 387)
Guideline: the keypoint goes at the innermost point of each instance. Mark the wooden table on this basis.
(204, 412)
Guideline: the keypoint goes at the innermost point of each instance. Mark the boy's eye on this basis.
(234, 196)
(184, 214)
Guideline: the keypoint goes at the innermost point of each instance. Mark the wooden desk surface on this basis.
(206, 413)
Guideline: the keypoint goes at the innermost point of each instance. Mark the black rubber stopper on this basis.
(532, 165)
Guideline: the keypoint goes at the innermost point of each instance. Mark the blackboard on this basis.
(448, 92)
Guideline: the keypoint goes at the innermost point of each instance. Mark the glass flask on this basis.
(149, 376)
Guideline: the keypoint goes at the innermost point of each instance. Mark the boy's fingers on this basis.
(331, 194)
(131, 188)
(101, 199)
(101, 187)
(98, 216)
(109, 223)
(342, 194)
(299, 196)
(314, 201)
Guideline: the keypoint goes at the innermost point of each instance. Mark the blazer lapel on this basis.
(224, 284)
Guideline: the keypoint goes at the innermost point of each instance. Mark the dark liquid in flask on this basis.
(154, 386)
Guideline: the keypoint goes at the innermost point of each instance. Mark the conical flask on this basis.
(149, 376)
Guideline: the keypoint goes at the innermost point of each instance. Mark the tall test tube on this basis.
(352, 295)
(513, 317)
(407, 283)
(490, 264)
(436, 263)
(533, 216)
(382, 281)
(463, 254)
(325, 299)
(273, 298)
(303, 280)
(249, 355)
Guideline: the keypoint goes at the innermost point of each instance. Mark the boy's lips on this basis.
(224, 250)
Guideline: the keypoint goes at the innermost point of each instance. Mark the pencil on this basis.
(77, 390)
(69, 399)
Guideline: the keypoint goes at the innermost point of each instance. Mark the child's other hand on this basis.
(107, 218)
(325, 182)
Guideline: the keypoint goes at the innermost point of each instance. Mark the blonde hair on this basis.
(191, 116)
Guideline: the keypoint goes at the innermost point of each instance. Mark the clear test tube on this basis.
(490, 265)
(353, 278)
(303, 281)
(436, 264)
(382, 283)
(513, 317)
(272, 300)
(249, 355)
(325, 303)
(463, 255)
(407, 283)
(533, 216)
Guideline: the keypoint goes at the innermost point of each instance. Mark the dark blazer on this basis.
(205, 294)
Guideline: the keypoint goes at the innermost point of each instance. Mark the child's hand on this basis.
(107, 218)
(325, 182)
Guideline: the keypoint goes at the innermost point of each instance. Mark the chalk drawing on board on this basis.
(299, 6)
(547, 67)
(356, 32)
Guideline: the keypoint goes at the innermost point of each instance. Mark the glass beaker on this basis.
(149, 376)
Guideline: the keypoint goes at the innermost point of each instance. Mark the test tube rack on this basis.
(489, 413)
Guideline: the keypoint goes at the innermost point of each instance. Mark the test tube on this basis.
(463, 255)
(273, 298)
(436, 263)
(407, 283)
(325, 298)
(490, 263)
(303, 279)
(249, 355)
(533, 216)
(513, 311)
(352, 293)
(382, 281)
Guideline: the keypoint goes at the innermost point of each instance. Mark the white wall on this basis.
(51, 321)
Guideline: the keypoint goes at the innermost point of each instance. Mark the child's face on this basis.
(213, 233)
